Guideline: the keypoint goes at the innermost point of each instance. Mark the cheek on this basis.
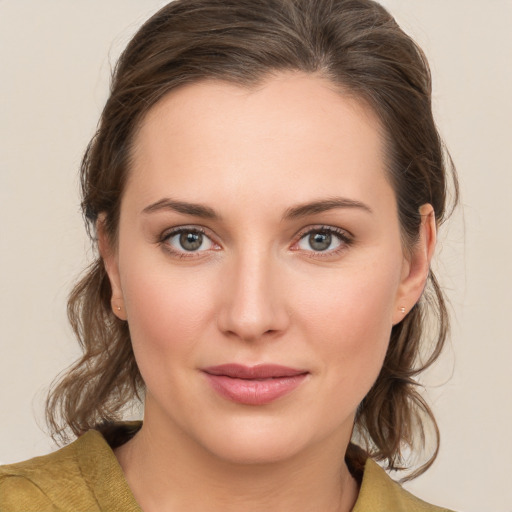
(350, 319)
(167, 313)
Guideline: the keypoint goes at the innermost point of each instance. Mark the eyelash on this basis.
(167, 235)
(345, 239)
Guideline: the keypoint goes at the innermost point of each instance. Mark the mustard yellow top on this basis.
(86, 477)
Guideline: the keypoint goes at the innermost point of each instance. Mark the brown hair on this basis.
(359, 47)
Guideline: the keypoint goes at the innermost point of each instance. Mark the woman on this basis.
(265, 189)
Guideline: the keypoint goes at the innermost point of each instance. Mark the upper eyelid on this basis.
(167, 233)
(321, 227)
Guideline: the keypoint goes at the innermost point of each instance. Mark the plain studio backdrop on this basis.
(55, 60)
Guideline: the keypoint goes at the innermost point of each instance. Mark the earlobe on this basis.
(118, 308)
(109, 257)
(416, 265)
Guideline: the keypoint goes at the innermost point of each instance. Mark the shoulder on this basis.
(48, 482)
(78, 477)
(19, 493)
(380, 493)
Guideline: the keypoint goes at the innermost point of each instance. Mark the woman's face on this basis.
(258, 228)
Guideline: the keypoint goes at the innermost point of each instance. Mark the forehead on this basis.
(292, 129)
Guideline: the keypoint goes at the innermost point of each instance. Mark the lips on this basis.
(254, 385)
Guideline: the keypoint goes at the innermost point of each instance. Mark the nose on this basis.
(253, 304)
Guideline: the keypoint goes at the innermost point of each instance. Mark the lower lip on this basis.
(254, 391)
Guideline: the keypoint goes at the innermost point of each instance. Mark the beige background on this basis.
(55, 57)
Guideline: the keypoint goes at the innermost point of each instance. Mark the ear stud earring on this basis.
(116, 306)
(402, 310)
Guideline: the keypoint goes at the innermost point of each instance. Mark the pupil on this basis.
(320, 241)
(191, 241)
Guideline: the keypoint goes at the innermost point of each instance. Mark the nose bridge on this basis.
(253, 303)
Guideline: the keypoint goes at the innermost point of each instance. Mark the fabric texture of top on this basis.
(85, 476)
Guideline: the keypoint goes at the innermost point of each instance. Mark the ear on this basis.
(416, 265)
(108, 254)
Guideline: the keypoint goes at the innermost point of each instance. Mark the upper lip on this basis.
(259, 371)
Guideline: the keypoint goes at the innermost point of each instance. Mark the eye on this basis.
(325, 239)
(188, 240)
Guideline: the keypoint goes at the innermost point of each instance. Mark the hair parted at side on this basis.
(358, 46)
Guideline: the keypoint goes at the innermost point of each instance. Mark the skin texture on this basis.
(256, 291)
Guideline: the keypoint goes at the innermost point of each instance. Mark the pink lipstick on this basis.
(254, 385)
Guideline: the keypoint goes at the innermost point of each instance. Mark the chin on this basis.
(259, 439)
(256, 448)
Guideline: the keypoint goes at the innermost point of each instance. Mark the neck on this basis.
(166, 471)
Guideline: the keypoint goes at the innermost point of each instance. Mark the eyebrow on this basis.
(197, 210)
(324, 205)
(295, 212)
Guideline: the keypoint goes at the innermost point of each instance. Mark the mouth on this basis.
(254, 385)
